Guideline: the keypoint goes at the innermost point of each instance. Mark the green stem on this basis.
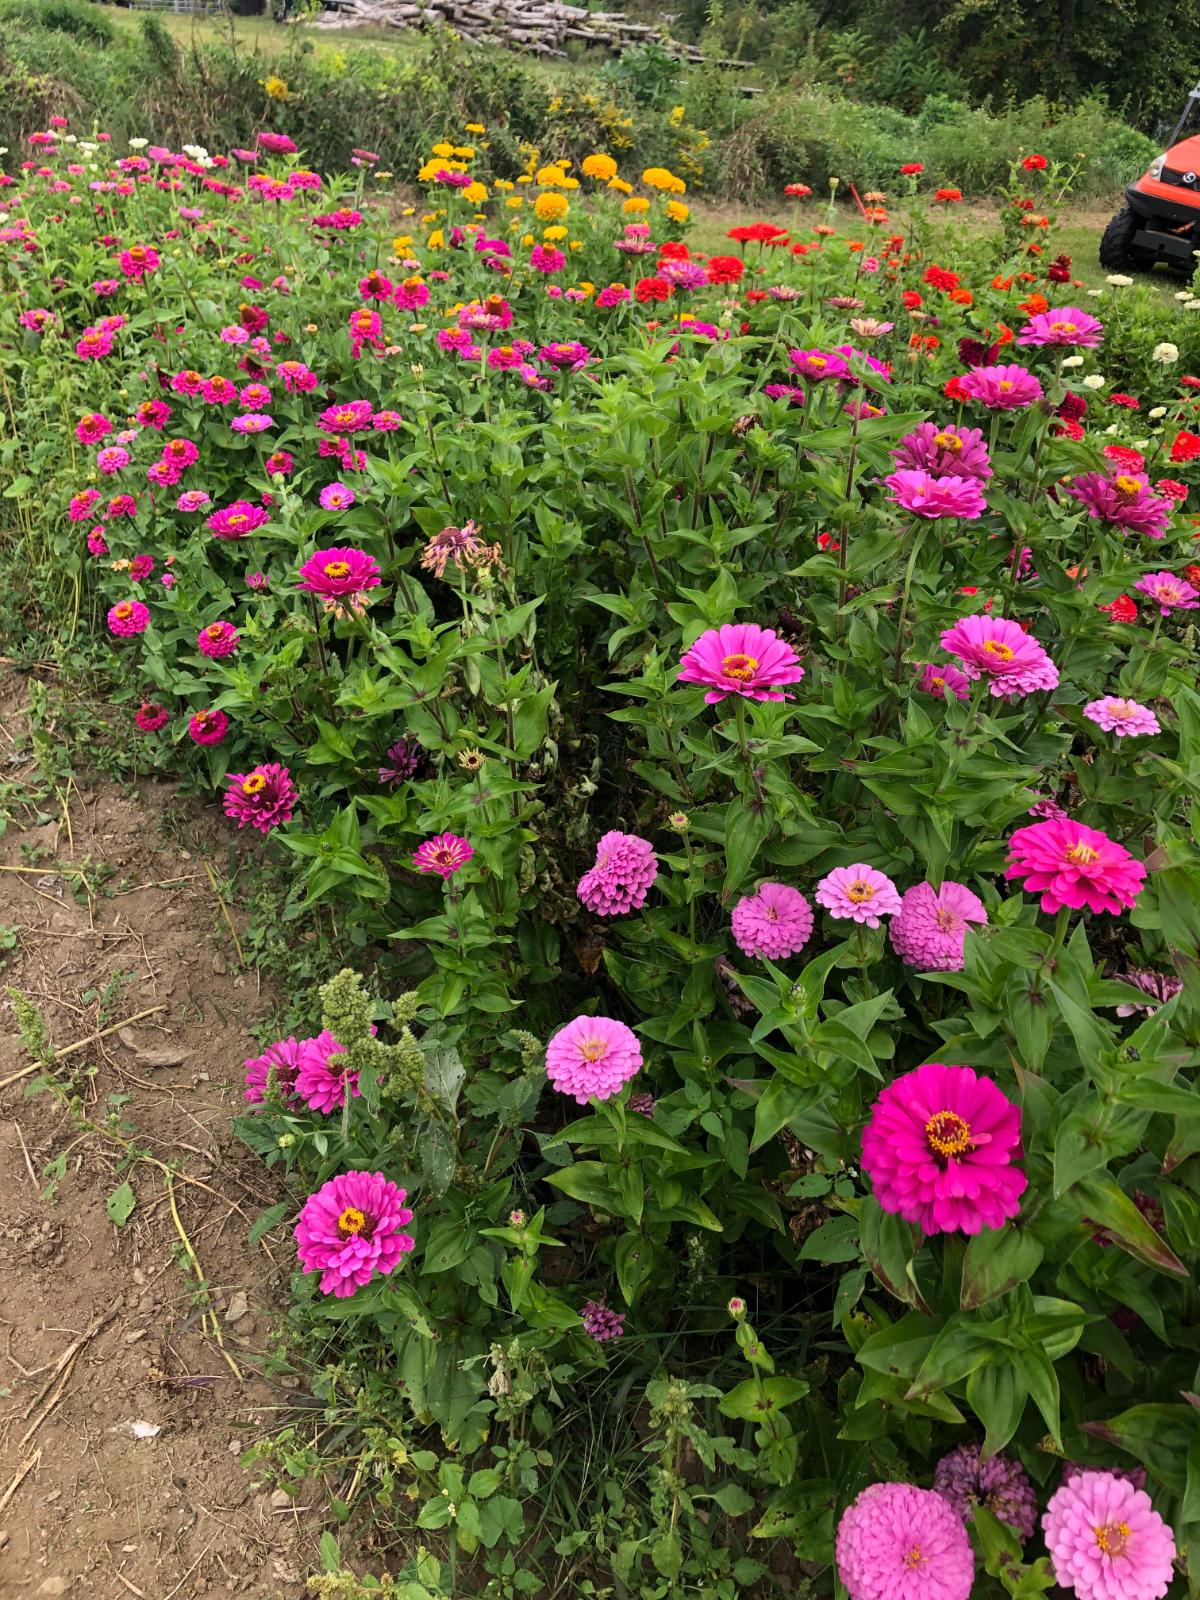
(918, 539)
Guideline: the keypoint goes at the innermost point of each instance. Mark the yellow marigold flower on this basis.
(475, 192)
(464, 152)
(676, 117)
(575, 244)
(554, 234)
(599, 166)
(430, 171)
(549, 207)
(402, 243)
(501, 183)
(677, 211)
(525, 177)
(678, 186)
(526, 241)
(515, 201)
(443, 150)
(587, 287)
(436, 239)
(657, 178)
(619, 186)
(409, 211)
(475, 127)
(275, 88)
(636, 206)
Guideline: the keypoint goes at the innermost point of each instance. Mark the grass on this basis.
(259, 34)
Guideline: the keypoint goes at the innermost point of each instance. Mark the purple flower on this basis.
(1000, 1484)
(950, 452)
(1124, 501)
(600, 1323)
(917, 491)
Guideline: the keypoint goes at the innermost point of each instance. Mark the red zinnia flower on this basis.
(652, 289)
(724, 269)
(1122, 609)
(912, 299)
(911, 168)
(1126, 400)
(1034, 163)
(939, 278)
(1185, 446)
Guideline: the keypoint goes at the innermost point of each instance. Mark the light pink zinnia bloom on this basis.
(938, 1148)
(234, 521)
(622, 877)
(352, 416)
(1169, 592)
(1003, 388)
(339, 570)
(898, 1542)
(218, 639)
(128, 617)
(592, 1057)
(1121, 717)
(337, 497)
(950, 452)
(928, 930)
(995, 648)
(351, 1229)
(1106, 1541)
(1070, 326)
(817, 365)
(1070, 864)
(776, 922)
(208, 727)
(860, 893)
(322, 1081)
(444, 854)
(278, 1065)
(261, 798)
(741, 658)
(926, 496)
(940, 681)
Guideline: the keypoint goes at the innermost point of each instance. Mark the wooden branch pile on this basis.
(542, 27)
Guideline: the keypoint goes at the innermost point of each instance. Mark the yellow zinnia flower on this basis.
(549, 207)
(475, 192)
(599, 166)
(475, 127)
(636, 206)
(677, 211)
(619, 186)
(554, 234)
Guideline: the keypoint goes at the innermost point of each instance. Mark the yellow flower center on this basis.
(1082, 855)
(817, 361)
(914, 1558)
(948, 441)
(947, 1134)
(1128, 485)
(739, 666)
(592, 1049)
(505, 350)
(254, 783)
(1121, 709)
(1005, 383)
(858, 891)
(1063, 327)
(413, 283)
(1112, 1538)
(938, 683)
(1002, 652)
(351, 1221)
(237, 519)
(215, 630)
(945, 918)
(125, 609)
(345, 415)
(336, 569)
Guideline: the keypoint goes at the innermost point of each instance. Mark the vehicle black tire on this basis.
(1117, 250)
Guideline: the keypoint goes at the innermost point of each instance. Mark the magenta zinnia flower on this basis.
(323, 1081)
(128, 617)
(444, 854)
(995, 648)
(938, 1148)
(861, 893)
(1070, 864)
(1003, 388)
(337, 497)
(776, 922)
(1121, 717)
(622, 877)
(150, 716)
(951, 452)
(218, 639)
(1168, 592)
(1000, 1484)
(261, 798)
(277, 1066)
(351, 1229)
(339, 570)
(928, 930)
(234, 521)
(898, 1542)
(352, 416)
(926, 496)
(208, 727)
(1070, 326)
(940, 681)
(816, 365)
(592, 1057)
(1106, 1541)
(1123, 501)
(741, 658)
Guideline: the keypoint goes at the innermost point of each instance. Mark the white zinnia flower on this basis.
(138, 144)
(1156, 412)
(1119, 280)
(1072, 361)
(1166, 352)
(1092, 381)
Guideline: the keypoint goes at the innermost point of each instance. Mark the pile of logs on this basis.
(540, 26)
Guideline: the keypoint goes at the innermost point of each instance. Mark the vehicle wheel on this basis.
(1117, 250)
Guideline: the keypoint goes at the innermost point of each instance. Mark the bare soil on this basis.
(122, 1421)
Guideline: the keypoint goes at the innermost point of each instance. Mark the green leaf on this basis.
(1102, 1200)
(996, 1261)
(1036, 1371)
(997, 1397)
(756, 1399)
(262, 1225)
(1159, 1436)
(734, 1500)
(120, 1203)
(889, 1246)
(956, 1352)
(745, 831)
(779, 1103)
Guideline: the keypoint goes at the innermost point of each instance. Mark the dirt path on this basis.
(100, 1326)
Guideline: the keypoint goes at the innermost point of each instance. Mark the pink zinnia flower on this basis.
(96, 542)
(1070, 864)
(196, 500)
(277, 1067)
(351, 1229)
(898, 1542)
(252, 422)
(928, 930)
(141, 567)
(775, 922)
(860, 893)
(1121, 717)
(150, 716)
(1070, 326)
(741, 658)
(995, 648)
(940, 681)
(208, 727)
(1106, 1541)
(338, 571)
(128, 617)
(411, 294)
(938, 1148)
(218, 639)
(592, 1057)
(1168, 592)
(622, 876)
(546, 259)
(926, 496)
(444, 854)
(352, 416)
(235, 521)
(180, 452)
(112, 459)
(219, 391)
(261, 798)
(337, 497)
(1003, 388)
(950, 452)
(80, 507)
(817, 366)
(1124, 502)
(92, 427)
(321, 1082)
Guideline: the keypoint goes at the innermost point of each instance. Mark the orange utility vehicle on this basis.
(1161, 218)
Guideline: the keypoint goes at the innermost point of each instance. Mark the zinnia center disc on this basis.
(947, 1134)
(739, 666)
(352, 1220)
